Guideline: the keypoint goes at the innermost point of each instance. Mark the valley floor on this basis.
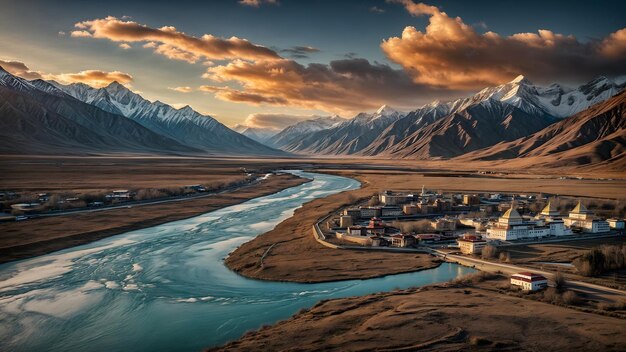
(30, 238)
(445, 317)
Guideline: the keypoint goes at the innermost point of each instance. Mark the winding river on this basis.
(166, 288)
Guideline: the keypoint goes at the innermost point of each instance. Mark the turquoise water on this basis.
(166, 288)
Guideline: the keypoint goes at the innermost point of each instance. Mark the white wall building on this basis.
(529, 281)
(584, 219)
(617, 224)
(511, 226)
(550, 217)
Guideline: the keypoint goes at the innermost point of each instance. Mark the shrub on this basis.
(374, 201)
(489, 252)
(505, 257)
(473, 278)
(590, 263)
(570, 298)
(149, 193)
(559, 281)
(550, 295)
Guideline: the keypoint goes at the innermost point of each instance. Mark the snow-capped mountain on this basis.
(39, 118)
(348, 137)
(301, 129)
(387, 131)
(184, 125)
(261, 135)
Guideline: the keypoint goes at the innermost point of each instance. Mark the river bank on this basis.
(437, 318)
(290, 253)
(25, 239)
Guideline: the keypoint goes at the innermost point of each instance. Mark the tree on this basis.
(374, 201)
(559, 281)
(489, 252)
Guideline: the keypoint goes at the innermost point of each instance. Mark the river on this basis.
(166, 288)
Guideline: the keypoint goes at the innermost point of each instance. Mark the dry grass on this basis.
(438, 319)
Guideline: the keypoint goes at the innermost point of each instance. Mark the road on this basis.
(139, 203)
(511, 269)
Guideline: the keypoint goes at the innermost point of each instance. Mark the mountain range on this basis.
(48, 118)
(514, 121)
(446, 130)
(594, 135)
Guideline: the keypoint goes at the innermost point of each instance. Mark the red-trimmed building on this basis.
(529, 281)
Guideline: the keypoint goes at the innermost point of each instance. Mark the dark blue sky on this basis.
(29, 32)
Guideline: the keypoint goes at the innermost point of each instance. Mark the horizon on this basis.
(248, 74)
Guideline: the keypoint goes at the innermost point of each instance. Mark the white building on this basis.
(551, 217)
(617, 224)
(471, 245)
(529, 281)
(584, 219)
(511, 226)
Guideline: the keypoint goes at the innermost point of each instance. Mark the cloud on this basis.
(125, 46)
(274, 121)
(376, 9)
(182, 89)
(80, 34)
(20, 69)
(343, 86)
(257, 3)
(452, 54)
(300, 52)
(94, 78)
(170, 42)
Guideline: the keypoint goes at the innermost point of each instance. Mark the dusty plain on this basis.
(442, 317)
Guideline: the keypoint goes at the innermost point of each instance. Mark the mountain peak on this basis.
(520, 80)
(115, 87)
(386, 110)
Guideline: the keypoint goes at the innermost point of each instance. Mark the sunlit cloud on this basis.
(94, 78)
(125, 46)
(257, 3)
(452, 54)
(182, 89)
(274, 120)
(170, 42)
(343, 86)
(19, 69)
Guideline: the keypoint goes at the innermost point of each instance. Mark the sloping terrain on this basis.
(595, 135)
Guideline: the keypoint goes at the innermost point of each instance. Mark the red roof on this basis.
(528, 277)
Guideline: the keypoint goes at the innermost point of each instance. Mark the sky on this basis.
(267, 63)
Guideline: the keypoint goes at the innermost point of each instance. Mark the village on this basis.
(464, 224)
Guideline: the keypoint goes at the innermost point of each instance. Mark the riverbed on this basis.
(166, 288)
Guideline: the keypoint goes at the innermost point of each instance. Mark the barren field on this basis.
(438, 318)
(43, 235)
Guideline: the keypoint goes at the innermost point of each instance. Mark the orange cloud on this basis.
(170, 42)
(93, 78)
(182, 89)
(274, 121)
(20, 69)
(452, 54)
(257, 3)
(343, 86)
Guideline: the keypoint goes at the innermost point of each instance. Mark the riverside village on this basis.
(466, 225)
